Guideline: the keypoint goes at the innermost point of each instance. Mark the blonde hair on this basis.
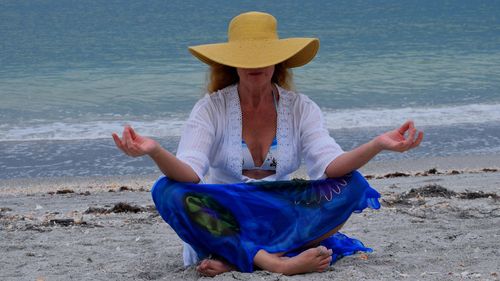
(221, 76)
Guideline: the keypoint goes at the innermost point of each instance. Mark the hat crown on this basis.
(253, 26)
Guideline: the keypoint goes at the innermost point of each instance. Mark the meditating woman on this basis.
(253, 127)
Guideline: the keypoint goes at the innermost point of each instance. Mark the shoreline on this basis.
(442, 225)
(374, 169)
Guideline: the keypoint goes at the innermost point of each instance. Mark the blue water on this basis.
(72, 72)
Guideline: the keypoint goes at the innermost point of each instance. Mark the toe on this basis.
(322, 250)
(326, 258)
(210, 273)
(203, 264)
(322, 267)
(326, 261)
(201, 271)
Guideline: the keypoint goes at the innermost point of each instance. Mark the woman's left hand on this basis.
(396, 140)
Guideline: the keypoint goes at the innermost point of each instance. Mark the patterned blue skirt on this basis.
(235, 221)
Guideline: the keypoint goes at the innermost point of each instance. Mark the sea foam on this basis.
(172, 126)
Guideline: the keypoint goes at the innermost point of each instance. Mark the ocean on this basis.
(72, 72)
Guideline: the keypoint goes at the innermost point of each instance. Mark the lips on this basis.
(255, 73)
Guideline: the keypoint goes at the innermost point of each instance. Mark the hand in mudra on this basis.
(396, 140)
(134, 144)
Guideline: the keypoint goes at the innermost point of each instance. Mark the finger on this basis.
(118, 142)
(127, 138)
(131, 147)
(419, 139)
(132, 133)
(124, 139)
(127, 143)
(411, 137)
(405, 127)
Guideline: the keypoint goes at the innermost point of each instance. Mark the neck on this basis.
(255, 95)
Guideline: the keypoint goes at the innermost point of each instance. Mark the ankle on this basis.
(283, 266)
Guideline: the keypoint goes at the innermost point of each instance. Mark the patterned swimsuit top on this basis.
(270, 160)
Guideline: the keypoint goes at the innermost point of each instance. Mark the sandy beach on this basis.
(74, 207)
(440, 220)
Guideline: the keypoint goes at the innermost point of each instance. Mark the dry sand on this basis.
(435, 224)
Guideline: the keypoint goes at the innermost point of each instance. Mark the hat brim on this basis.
(292, 52)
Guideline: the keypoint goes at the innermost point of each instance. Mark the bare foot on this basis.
(311, 260)
(211, 268)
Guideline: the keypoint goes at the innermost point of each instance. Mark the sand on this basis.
(440, 220)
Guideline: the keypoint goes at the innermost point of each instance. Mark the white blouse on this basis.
(211, 140)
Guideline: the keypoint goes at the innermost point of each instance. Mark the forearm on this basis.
(352, 160)
(394, 140)
(172, 167)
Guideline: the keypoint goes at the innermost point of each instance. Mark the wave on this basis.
(423, 116)
(88, 130)
(335, 120)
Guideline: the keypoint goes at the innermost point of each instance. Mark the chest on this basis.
(258, 132)
(234, 124)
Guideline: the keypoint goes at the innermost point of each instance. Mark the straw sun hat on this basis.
(253, 42)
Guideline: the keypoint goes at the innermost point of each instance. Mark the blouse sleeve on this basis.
(197, 138)
(318, 147)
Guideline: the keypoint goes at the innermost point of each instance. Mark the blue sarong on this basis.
(235, 221)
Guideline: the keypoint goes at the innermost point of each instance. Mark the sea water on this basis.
(72, 72)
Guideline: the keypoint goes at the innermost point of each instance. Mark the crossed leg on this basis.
(313, 259)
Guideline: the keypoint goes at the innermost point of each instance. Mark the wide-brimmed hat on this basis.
(253, 42)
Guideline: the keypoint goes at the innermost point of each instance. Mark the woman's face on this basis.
(256, 76)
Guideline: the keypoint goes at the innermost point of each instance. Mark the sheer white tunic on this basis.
(211, 139)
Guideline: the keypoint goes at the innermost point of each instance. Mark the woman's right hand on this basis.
(134, 144)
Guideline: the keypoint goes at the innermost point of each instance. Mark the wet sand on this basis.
(440, 220)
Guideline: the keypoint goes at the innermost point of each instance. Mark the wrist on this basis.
(376, 145)
(155, 152)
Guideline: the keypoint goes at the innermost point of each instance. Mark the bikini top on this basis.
(270, 160)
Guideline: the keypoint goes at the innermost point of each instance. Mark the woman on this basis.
(253, 127)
